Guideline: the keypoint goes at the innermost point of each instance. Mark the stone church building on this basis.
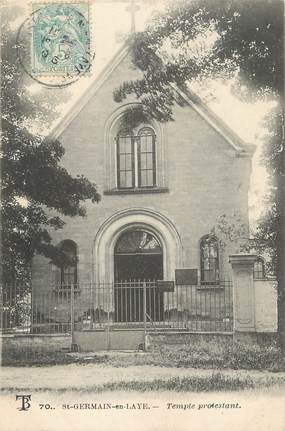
(163, 187)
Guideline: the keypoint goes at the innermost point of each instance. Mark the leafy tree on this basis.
(241, 40)
(36, 190)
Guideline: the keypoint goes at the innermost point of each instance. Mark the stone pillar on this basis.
(243, 292)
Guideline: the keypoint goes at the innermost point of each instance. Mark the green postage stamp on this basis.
(60, 38)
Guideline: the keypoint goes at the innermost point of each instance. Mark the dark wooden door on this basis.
(131, 272)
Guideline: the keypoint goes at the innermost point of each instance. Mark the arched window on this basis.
(138, 241)
(258, 269)
(67, 272)
(136, 159)
(209, 256)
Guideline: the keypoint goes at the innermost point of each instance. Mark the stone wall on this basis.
(265, 294)
(27, 343)
(197, 340)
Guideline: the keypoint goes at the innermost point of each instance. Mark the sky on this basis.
(110, 23)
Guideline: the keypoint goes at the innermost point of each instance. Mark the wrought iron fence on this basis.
(127, 304)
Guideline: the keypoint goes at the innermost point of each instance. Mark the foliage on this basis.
(36, 189)
(246, 42)
(133, 117)
(268, 238)
(230, 229)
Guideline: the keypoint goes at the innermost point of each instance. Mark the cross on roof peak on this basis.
(133, 8)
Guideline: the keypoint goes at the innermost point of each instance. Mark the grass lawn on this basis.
(233, 356)
(216, 382)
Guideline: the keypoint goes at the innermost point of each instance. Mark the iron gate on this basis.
(129, 304)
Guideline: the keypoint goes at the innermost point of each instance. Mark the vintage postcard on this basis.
(142, 215)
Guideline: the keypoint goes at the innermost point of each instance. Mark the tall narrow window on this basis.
(209, 260)
(258, 269)
(136, 159)
(125, 161)
(68, 271)
(146, 158)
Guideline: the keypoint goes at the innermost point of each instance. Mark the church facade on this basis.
(163, 188)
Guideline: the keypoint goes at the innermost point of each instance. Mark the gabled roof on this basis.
(95, 84)
(190, 98)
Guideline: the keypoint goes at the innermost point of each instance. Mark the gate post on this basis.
(243, 293)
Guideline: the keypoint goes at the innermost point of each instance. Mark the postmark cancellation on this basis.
(60, 38)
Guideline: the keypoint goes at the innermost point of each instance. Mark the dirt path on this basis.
(81, 376)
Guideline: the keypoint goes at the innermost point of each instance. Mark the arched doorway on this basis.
(138, 264)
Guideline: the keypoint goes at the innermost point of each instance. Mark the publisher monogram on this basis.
(25, 402)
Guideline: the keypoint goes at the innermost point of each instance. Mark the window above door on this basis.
(138, 241)
(135, 159)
